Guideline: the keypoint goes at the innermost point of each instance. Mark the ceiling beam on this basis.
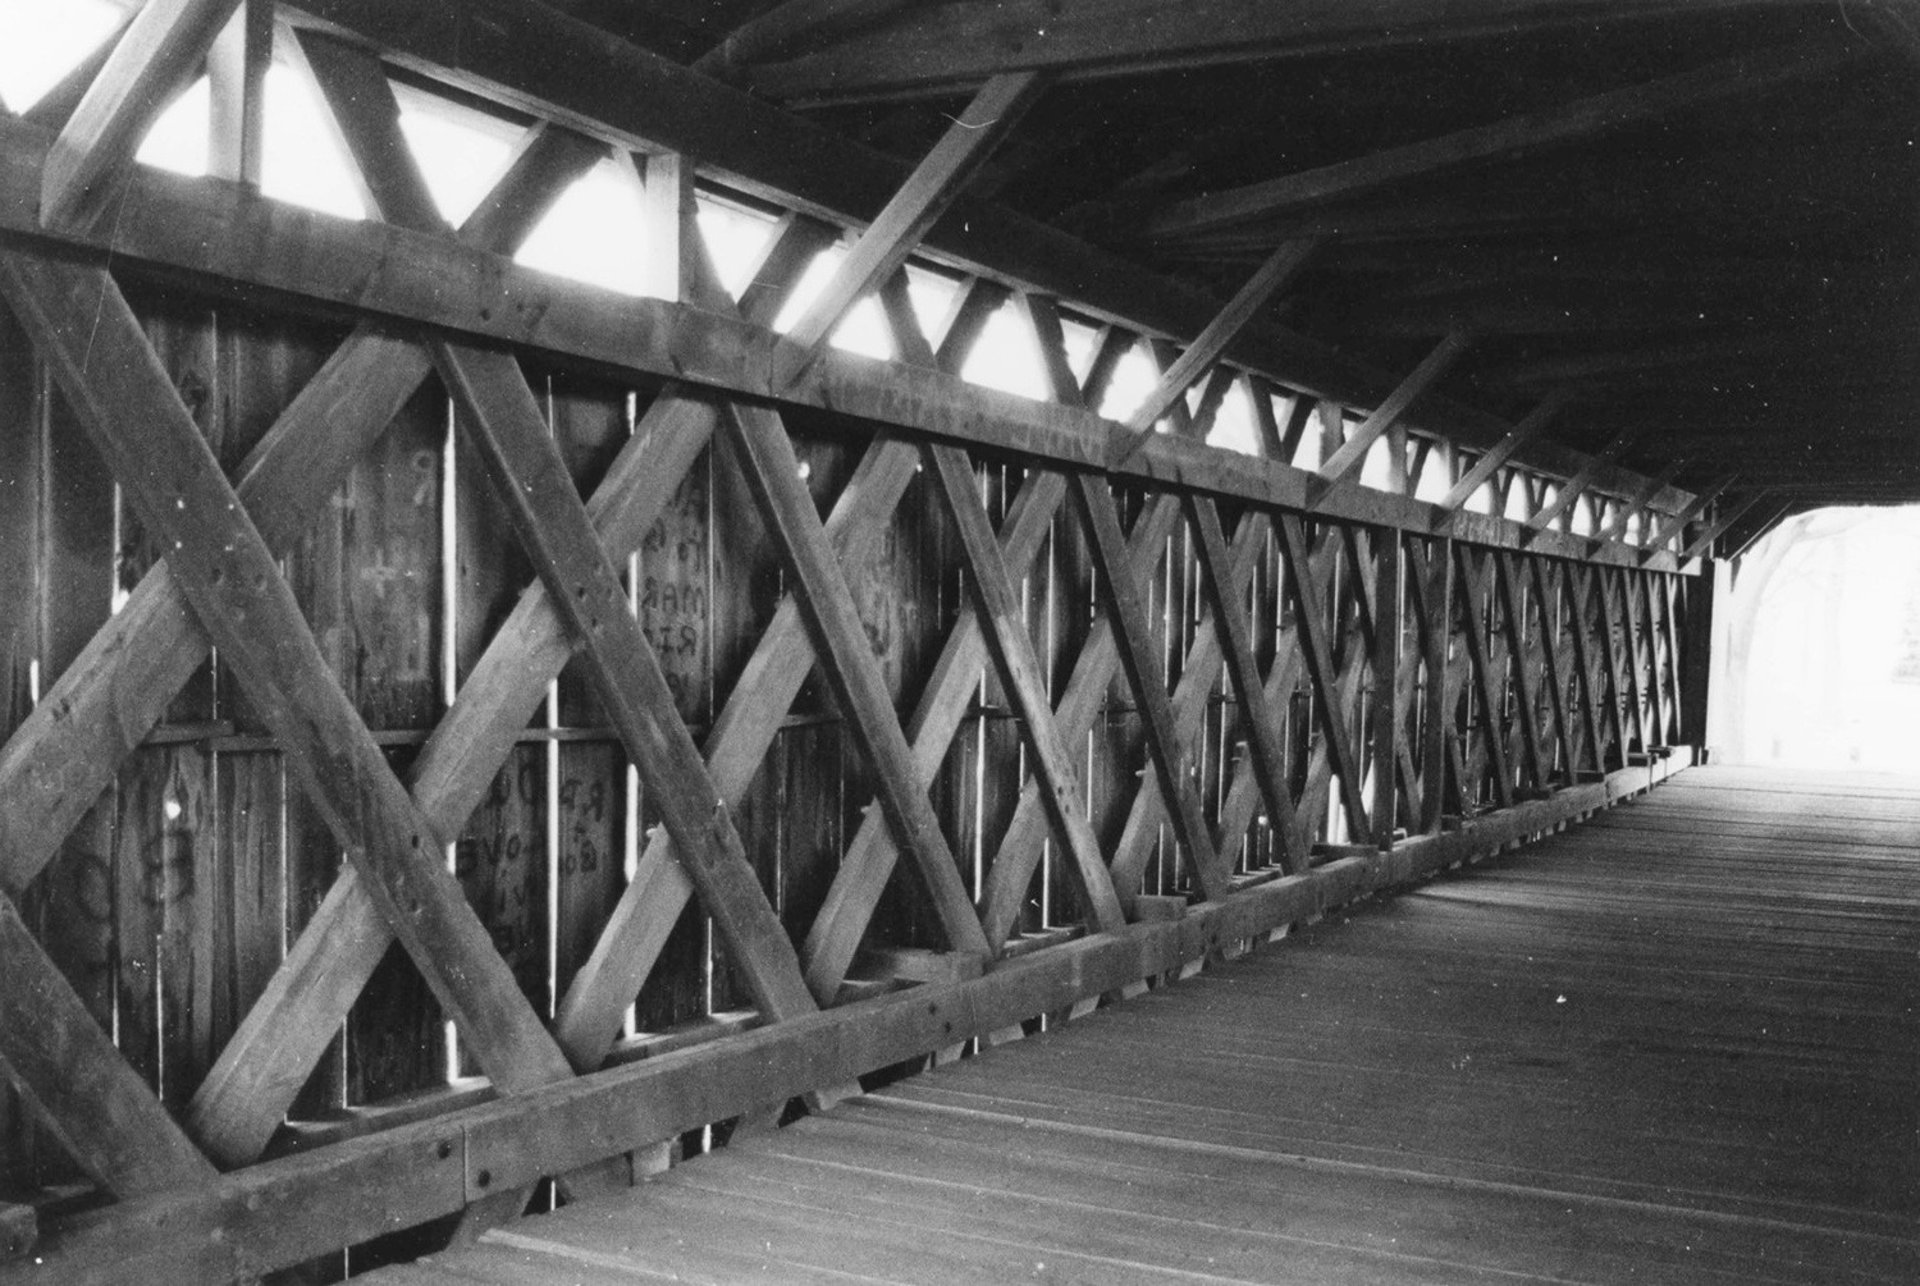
(1742, 76)
(946, 48)
(794, 26)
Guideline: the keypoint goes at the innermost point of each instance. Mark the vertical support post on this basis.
(1389, 554)
(1438, 705)
(237, 77)
(1696, 656)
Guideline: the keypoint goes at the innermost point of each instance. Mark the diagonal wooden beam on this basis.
(991, 586)
(531, 479)
(1343, 703)
(1525, 633)
(841, 646)
(955, 677)
(1618, 646)
(1578, 484)
(1346, 462)
(1741, 76)
(57, 106)
(925, 196)
(1281, 267)
(119, 687)
(1244, 792)
(589, 1015)
(1527, 430)
(1435, 593)
(1676, 524)
(1513, 624)
(1263, 733)
(104, 364)
(1310, 604)
(1388, 732)
(1725, 519)
(1638, 501)
(1094, 672)
(111, 696)
(1575, 586)
(1127, 610)
(79, 1085)
(160, 50)
(269, 1056)
(1473, 599)
(1148, 812)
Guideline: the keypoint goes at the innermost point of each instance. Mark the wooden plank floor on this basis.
(1677, 1045)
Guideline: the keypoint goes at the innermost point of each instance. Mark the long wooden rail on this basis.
(400, 640)
(1672, 1045)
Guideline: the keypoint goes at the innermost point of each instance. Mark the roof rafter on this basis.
(949, 47)
(1740, 76)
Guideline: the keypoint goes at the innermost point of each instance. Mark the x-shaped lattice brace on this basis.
(126, 677)
(118, 688)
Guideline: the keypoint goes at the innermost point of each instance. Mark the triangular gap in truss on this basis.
(1007, 356)
(303, 161)
(1434, 481)
(1234, 428)
(461, 150)
(180, 139)
(863, 331)
(736, 236)
(41, 42)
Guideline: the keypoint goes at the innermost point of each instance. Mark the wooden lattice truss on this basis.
(1447, 662)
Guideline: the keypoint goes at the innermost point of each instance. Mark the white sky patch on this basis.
(863, 331)
(1376, 470)
(1234, 428)
(1134, 377)
(178, 140)
(461, 152)
(301, 162)
(932, 297)
(42, 40)
(735, 239)
(595, 233)
(1434, 483)
(1007, 357)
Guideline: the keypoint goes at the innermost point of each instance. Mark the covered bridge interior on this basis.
(582, 581)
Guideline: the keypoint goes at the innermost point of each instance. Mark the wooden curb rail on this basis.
(284, 1211)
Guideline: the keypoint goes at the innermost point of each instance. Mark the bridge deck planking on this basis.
(1675, 1044)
